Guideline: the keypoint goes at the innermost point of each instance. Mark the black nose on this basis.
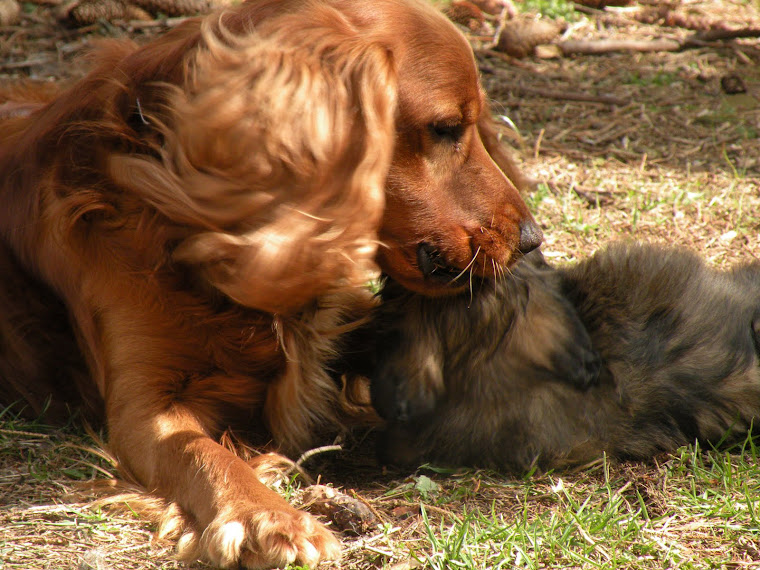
(531, 236)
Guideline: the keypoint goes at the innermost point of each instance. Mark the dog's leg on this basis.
(240, 522)
(40, 365)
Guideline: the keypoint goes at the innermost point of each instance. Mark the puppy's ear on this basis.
(280, 144)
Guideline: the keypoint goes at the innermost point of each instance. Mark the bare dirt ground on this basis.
(662, 148)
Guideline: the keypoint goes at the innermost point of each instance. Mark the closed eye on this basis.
(444, 132)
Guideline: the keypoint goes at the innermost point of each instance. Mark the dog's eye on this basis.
(446, 132)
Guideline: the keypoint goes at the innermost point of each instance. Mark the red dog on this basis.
(204, 212)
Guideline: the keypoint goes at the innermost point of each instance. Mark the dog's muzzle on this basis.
(434, 267)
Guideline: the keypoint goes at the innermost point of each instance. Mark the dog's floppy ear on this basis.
(489, 134)
(279, 144)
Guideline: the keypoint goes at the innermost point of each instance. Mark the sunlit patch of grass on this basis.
(550, 8)
(45, 519)
(694, 509)
(717, 214)
(658, 78)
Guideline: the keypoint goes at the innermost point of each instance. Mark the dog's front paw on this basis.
(254, 538)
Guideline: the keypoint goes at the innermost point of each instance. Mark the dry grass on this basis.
(677, 161)
(43, 521)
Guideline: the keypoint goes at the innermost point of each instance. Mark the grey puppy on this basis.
(637, 350)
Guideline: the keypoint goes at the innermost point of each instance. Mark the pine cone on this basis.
(178, 7)
(84, 12)
(521, 36)
(9, 12)
(689, 22)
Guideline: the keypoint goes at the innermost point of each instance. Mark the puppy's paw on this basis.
(255, 538)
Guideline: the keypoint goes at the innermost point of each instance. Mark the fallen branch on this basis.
(597, 47)
(699, 39)
(718, 34)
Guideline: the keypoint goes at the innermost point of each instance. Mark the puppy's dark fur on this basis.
(637, 350)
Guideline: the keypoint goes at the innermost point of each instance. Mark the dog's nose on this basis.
(531, 236)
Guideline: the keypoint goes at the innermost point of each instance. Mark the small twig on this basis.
(746, 246)
(591, 197)
(31, 62)
(537, 146)
(24, 433)
(316, 451)
(439, 510)
(380, 551)
(372, 509)
(619, 492)
(504, 57)
(595, 198)
(500, 23)
(587, 10)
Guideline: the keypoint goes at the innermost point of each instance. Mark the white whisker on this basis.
(469, 303)
(468, 266)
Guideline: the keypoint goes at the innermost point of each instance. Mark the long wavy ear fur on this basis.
(489, 134)
(277, 151)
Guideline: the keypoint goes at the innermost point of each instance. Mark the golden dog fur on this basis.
(187, 231)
